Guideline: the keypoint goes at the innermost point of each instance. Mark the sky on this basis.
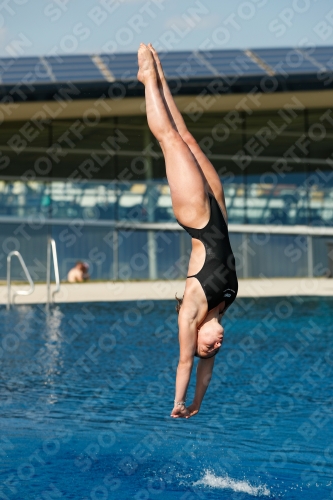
(42, 27)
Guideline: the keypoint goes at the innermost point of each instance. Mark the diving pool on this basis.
(87, 389)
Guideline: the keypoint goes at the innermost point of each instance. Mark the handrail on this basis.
(51, 246)
(25, 269)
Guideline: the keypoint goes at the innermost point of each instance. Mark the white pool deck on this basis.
(161, 290)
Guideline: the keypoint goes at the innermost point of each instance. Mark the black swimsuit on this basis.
(218, 274)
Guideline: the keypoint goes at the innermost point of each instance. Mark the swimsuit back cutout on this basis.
(218, 274)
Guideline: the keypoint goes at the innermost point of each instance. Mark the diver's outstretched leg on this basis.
(174, 111)
(187, 183)
(206, 166)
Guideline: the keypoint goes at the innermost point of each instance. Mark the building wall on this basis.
(120, 255)
(68, 178)
(276, 166)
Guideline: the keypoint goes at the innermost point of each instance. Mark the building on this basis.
(78, 162)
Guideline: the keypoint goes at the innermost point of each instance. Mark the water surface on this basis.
(87, 389)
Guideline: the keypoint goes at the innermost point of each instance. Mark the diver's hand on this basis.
(180, 412)
(193, 410)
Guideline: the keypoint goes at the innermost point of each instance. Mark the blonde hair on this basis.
(179, 303)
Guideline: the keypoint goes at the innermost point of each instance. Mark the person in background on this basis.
(78, 273)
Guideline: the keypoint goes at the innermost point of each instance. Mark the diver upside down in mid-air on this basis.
(199, 206)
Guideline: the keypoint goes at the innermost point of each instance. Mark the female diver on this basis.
(199, 206)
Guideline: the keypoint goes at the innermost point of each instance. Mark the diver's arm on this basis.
(187, 343)
(204, 375)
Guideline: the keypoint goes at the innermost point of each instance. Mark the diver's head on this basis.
(210, 335)
(210, 338)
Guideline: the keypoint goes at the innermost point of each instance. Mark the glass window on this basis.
(276, 167)
(73, 134)
(21, 135)
(322, 256)
(133, 257)
(276, 198)
(266, 250)
(219, 134)
(275, 134)
(84, 200)
(90, 244)
(320, 133)
(321, 206)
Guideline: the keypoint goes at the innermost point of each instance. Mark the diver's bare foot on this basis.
(146, 63)
(157, 62)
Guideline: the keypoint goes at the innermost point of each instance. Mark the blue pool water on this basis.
(87, 389)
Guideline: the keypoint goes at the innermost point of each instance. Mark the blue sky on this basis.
(44, 27)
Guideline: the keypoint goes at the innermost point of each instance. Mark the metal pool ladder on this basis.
(51, 248)
(26, 272)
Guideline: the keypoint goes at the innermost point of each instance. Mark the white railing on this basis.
(51, 249)
(26, 272)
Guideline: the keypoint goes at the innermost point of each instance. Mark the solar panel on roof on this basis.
(24, 80)
(233, 62)
(181, 64)
(69, 59)
(121, 66)
(18, 63)
(286, 60)
(184, 64)
(21, 60)
(322, 55)
(74, 68)
(24, 69)
(224, 54)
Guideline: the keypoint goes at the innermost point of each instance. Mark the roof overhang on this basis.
(194, 103)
